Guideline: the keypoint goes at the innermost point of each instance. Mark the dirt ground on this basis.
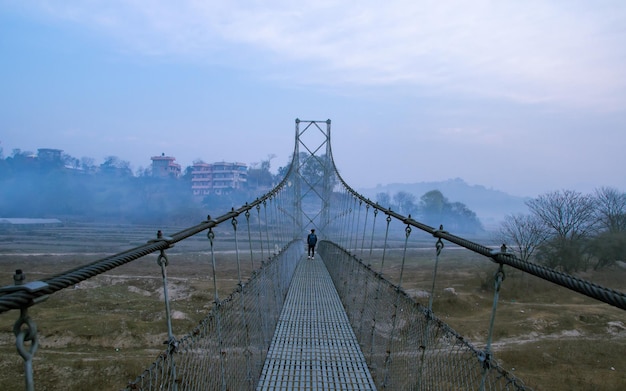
(103, 332)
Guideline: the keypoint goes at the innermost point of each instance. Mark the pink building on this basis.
(164, 167)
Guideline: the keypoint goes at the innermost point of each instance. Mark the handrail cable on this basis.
(607, 295)
(21, 298)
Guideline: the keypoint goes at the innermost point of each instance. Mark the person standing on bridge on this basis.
(311, 240)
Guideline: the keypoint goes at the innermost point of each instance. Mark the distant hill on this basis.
(490, 205)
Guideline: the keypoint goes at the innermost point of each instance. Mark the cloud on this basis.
(559, 52)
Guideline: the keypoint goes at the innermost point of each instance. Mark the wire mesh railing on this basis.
(405, 345)
(226, 351)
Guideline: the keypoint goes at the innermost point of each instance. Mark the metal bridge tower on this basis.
(313, 174)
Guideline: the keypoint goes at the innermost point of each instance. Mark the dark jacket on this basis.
(311, 239)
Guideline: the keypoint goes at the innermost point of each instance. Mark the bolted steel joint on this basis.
(485, 359)
(172, 344)
(19, 277)
(33, 287)
(162, 238)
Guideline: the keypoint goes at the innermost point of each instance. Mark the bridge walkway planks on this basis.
(314, 347)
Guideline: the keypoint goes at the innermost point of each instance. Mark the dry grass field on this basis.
(103, 332)
(550, 337)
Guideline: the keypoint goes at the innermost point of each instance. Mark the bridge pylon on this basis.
(314, 175)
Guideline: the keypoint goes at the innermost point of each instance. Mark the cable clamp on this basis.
(485, 358)
(502, 250)
(30, 287)
(437, 233)
(161, 238)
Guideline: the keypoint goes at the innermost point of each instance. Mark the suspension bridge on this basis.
(334, 322)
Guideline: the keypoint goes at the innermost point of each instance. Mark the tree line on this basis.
(433, 209)
(79, 189)
(569, 230)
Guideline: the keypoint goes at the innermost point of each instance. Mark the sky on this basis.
(526, 97)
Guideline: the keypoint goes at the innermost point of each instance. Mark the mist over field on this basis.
(490, 205)
(61, 187)
(107, 196)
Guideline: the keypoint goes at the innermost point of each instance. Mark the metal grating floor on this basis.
(314, 347)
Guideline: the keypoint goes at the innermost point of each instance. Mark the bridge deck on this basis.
(314, 347)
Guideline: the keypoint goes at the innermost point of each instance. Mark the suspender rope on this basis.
(394, 317)
(367, 210)
(486, 356)
(243, 307)
(25, 330)
(438, 247)
(380, 274)
(356, 229)
(366, 289)
(247, 214)
(429, 313)
(258, 212)
(373, 230)
(216, 307)
(171, 342)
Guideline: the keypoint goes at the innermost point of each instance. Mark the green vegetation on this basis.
(433, 209)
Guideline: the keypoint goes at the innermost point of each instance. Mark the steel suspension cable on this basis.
(28, 294)
(587, 288)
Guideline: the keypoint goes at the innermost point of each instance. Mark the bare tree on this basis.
(115, 165)
(405, 202)
(570, 218)
(70, 161)
(611, 209)
(568, 214)
(88, 164)
(523, 233)
(383, 199)
(609, 245)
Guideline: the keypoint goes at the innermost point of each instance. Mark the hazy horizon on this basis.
(524, 98)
